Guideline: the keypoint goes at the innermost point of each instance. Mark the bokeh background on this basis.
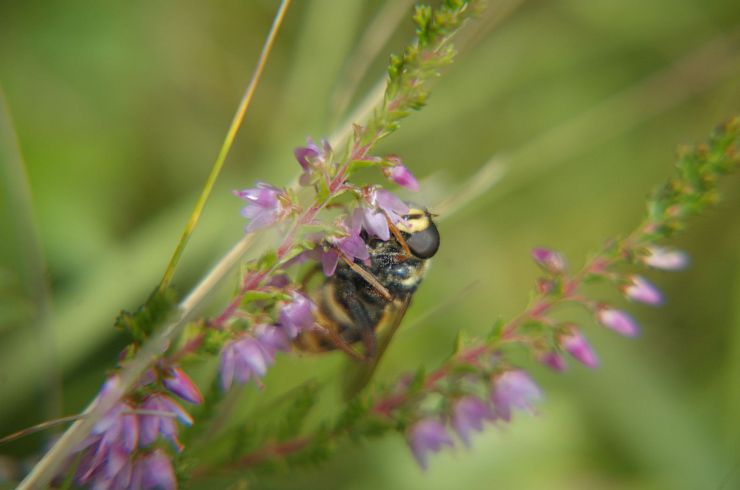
(119, 111)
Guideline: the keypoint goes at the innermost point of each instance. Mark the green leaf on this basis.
(155, 310)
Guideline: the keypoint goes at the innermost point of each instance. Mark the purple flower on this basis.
(111, 472)
(311, 157)
(306, 154)
(468, 415)
(374, 222)
(119, 468)
(297, 315)
(154, 425)
(549, 260)
(553, 360)
(181, 385)
(383, 206)
(665, 258)
(618, 320)
(427, 435)
(244, 359)
(351, 244)
(329, 259)
(513, 389)
(272, 339)
(109, 445)
(263, 205)
(389, 203)
(153, 471)
(578, 347)
(402, 176)
(642, 291)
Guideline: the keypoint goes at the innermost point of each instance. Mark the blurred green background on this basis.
(120, 109)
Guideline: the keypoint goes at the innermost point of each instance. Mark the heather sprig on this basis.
(479, 384)
(267, 310)
(136, 440)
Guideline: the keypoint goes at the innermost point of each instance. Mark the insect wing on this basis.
(358, 374)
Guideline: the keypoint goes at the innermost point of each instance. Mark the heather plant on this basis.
(156, 425)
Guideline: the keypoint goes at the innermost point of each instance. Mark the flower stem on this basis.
(226, 146)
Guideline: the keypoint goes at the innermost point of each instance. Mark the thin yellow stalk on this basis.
(226, 146)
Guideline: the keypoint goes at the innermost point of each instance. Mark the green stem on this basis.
(225, 147)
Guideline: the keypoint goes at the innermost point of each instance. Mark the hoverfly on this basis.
(366, 303)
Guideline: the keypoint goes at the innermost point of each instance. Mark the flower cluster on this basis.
(509, 390)
(268, 205)
(559, 286)
(133, 444)
(122, 450)
(249, 354)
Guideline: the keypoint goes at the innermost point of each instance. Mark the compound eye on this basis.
(424, 244)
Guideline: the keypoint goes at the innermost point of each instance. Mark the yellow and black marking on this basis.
(351, 310)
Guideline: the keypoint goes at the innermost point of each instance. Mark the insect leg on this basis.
(367, 276)
(401, 241)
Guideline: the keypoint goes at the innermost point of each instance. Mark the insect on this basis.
(352, 306)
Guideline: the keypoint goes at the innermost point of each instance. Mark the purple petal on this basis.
(403, 177)
(297, 315)
(427, 435)
(263, 206)
(169, 405)
(272, 339)
(578, 347)
(181, 385)
(618, 320)
(91, 463)
(228, 361)
(152, 426)
(130, 431)
(263, 195)
(354, 247)
(148, 430)
(304, 154)
(469, 413)
(513, 389)
(116, 460)
(252, 359)
(109, 420)
(549, 260)
(554, 361)
(391, 204)
(156, 472)
(329, 261)
(122, 478)
(168, 429)
(375, 223)
(641, 290)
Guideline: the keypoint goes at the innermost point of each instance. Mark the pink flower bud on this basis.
(549, 260)
(641, 290)
(618, 320)
(554, 361)
(181, 385)
(577, 346)
(402, 176)
(666, 258)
